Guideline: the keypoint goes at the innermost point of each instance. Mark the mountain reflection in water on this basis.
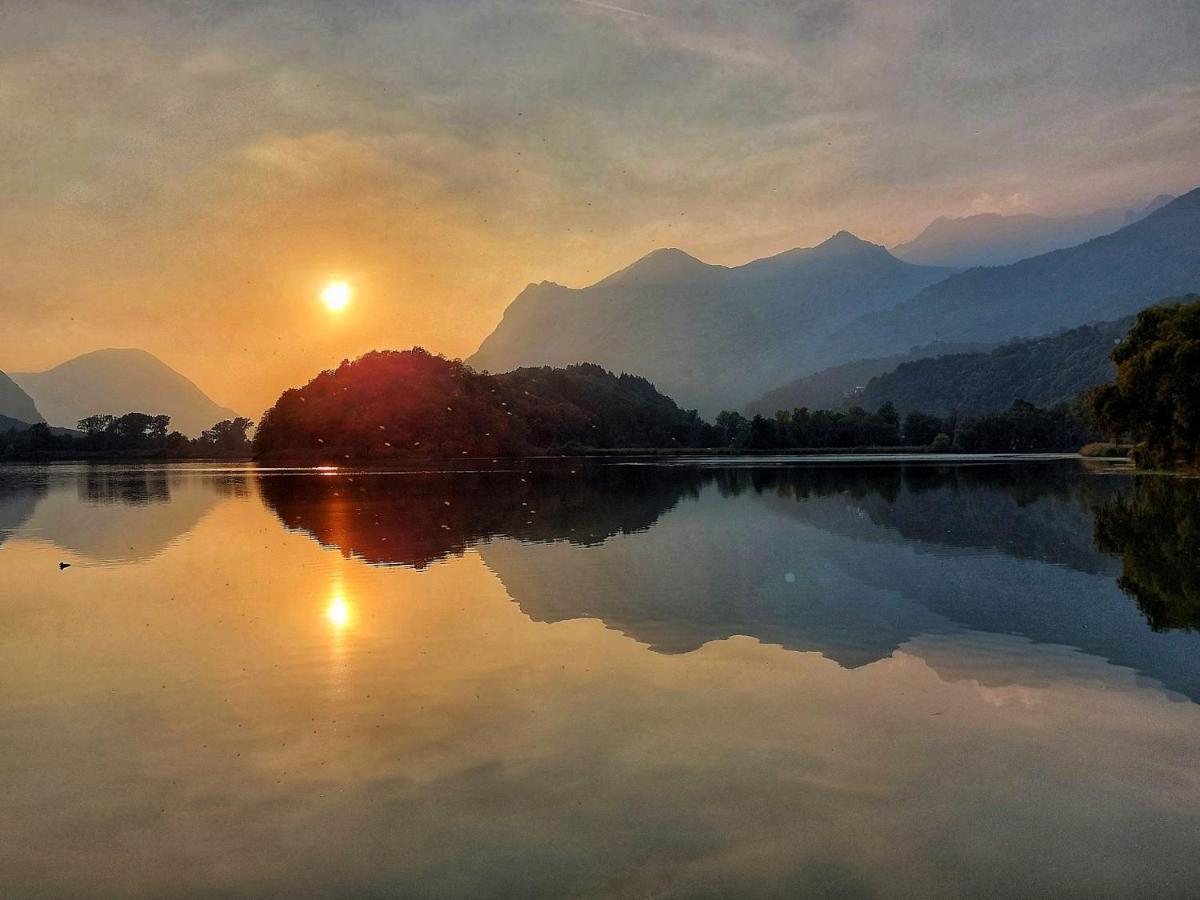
(849, 561)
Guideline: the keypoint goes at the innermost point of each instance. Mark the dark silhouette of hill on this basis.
(710, 336)
(393, 404)
(1043, 371)
(839, 387)
(117, 382)
(992, 239)
(1104, 279)
(16, 405)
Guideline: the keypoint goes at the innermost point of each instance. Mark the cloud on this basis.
(610, 8)
(1017, 202)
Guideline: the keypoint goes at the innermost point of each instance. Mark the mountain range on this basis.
(707, 335)
(715, 337)
(116, 382)
(808, 327)
(992, 239)
(1103, 279)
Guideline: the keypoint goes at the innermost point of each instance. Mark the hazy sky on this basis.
(184, 177)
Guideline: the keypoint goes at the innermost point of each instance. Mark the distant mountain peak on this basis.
(995, 239)
(845, 242)
(664, 264)
(117, 380)
(711, 336)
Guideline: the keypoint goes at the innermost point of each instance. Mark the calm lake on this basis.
(759, 677)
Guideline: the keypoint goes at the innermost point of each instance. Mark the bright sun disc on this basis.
(336, 296)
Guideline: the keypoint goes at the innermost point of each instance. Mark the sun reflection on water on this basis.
(339, 612)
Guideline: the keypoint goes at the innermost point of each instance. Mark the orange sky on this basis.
(185, 177)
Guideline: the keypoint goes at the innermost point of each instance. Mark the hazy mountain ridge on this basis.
(116, 382)
(15, 404)
(993, 239)
(710, 336)
(1104, 279)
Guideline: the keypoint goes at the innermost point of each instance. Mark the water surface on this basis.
(721, 678)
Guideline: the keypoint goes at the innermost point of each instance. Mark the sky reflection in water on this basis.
(618, 680)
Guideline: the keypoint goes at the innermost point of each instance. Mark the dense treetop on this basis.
(412, 403)
(1155, 399)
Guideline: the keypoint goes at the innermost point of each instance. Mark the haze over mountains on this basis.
(992, 239)
(116, 382)
(1103, 279)
(15, 404)
(718, 338)
(706, 335)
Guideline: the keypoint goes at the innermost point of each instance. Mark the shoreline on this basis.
(698, 457)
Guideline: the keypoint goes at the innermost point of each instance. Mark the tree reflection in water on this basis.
(1155, 530)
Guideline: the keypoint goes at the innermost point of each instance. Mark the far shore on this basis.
(848, 454)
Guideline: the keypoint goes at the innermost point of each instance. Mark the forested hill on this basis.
(1042, 371)
(414, 404)
(839, 387)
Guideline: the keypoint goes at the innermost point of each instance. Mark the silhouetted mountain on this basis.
(1105, 279)
(15, 404)
(841, 386)
(117, 382)
(991, 239)
(1043, 371)
(710, 336)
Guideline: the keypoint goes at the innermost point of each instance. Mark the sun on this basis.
(336, 296)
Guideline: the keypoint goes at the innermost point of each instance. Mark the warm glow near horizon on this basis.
(336, 296)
